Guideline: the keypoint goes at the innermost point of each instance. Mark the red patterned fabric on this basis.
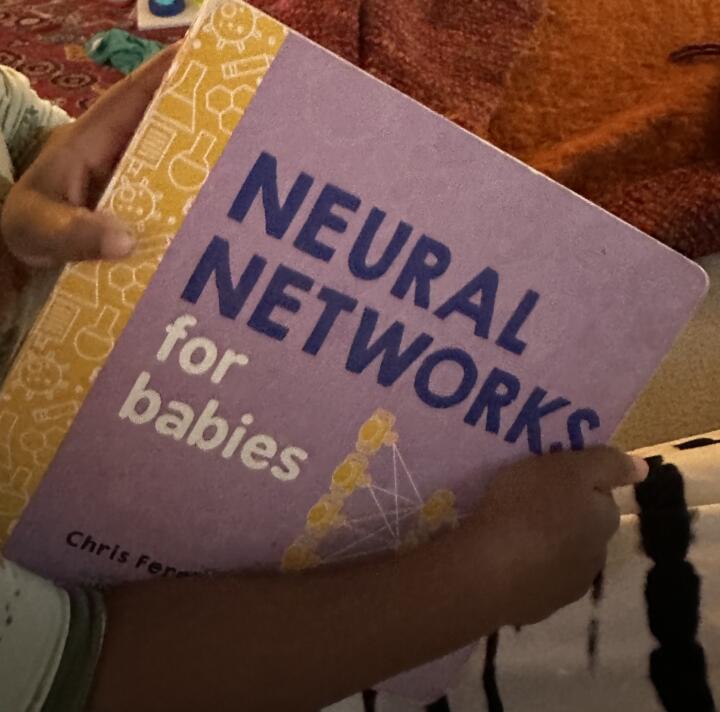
(453, 56)
(586, 94)
(44, 40)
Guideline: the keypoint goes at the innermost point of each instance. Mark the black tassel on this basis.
(441, 705)
(672, 592)
(369, 697)
(594, 625)
(492, 693)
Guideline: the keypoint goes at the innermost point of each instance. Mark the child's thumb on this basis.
(53, 232)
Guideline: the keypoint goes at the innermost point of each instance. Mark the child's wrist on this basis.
(468, 565)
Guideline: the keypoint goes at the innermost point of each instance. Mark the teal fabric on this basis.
(120, 49)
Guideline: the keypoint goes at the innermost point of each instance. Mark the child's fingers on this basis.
(52, 233)
(42, 221)
(109, 123)
(601, 468)
(608, 468)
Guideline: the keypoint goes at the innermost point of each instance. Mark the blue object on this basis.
(166, 8)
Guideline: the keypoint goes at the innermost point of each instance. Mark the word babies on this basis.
(208, 431)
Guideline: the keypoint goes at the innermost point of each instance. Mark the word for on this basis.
(207, 430)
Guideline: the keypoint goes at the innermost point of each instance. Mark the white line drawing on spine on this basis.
(233, 24)
(40, 375)
(228, 105)
(189, 169)
(154, 144)
(57, 320)
(95, 341)
(177, 104)
(152, 248)
(246, 68)
(135, 203)
(14, 494)
(81, 282)
(13, 480)
(8, 421)
(40, 444)
(66, 410)
(130, 279)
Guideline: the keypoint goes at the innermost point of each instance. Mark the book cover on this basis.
(343, 314)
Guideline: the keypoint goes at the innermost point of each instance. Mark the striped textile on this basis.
(647, 638)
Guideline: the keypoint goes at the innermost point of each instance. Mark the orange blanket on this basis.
(584, 91)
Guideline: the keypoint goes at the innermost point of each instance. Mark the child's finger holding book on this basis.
(113, 118)
(45, 232)
(47, 218)
(610, 468)
(604, 468)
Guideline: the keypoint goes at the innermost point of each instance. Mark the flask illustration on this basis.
(14, 494)
(94, 342)
(189, 169)
(7, 424)
(178, 103)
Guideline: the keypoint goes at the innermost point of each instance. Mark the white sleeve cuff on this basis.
(34, 623)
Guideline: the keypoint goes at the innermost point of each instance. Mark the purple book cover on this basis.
(346, 312)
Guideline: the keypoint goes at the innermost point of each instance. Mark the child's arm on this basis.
(298, 642)
(25, 123)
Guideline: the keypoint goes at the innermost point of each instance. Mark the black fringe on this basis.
(672, 592)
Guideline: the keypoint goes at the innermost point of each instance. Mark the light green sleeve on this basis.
(50, 641)
(34, 623)
(25, 118)
(25, 122)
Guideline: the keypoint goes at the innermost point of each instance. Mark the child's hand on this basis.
(550, 520)
(48, 217)
(302, 642)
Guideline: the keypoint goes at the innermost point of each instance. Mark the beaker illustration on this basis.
(189, 169)
(94, 342)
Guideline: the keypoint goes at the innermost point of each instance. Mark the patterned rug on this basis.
(44, 40)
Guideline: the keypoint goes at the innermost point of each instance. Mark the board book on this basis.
(344, 313)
